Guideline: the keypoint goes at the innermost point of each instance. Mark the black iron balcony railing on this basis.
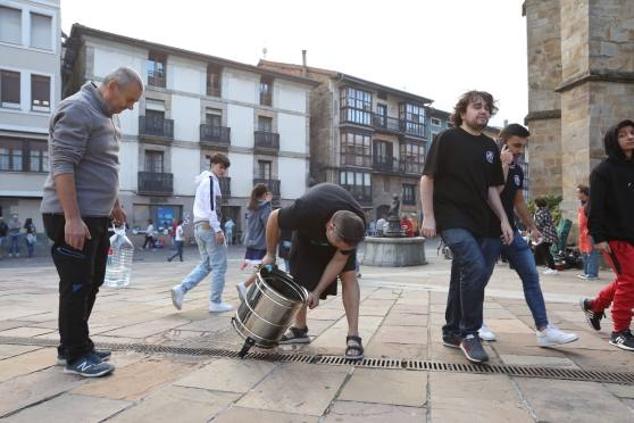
(156, 127)
(411, 167)
(225, 186)
(215, 134)
(267, 140)
(385, 164)
(157, 184)
(273, 184)
(387, 123)
(156, 80)
(356, 160)
(213, 91)
(361, 193)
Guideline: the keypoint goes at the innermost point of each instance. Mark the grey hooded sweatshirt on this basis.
(256, 226)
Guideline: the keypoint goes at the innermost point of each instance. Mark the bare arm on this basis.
(495, 203)
(427, 198)
(272, 238)
(522, 210)
(75, 230)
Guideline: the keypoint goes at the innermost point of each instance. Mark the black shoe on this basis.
(295, 336)
(89, 365)
(472, 349)
(623, 340)
(593, 319)
(451, 340)
(103, 355)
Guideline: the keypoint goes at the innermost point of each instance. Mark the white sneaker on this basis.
(485, 333)
(552, 336)
(219, 307)
(551, 272)
(177, 297)
(242, 291)
(582, 276)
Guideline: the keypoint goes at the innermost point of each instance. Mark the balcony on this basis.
(387, 124)
(411, 167)
(273, 184)
(225, 186)
(157, 128)
(155, 184)
(385, 164)
(356, 160)
(216, 136)
(361, 193)
(156, 80)
(269, 141)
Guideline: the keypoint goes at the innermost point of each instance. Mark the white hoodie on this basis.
(203, 203)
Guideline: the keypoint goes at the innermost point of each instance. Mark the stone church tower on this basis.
(581, 81)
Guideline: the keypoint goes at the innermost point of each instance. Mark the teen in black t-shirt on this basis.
(328, 224)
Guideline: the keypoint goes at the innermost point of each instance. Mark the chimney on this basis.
(305, 70)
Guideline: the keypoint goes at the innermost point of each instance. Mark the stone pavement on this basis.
(401, 316)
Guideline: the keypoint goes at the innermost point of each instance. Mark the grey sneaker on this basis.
(177, 297)
(89, 366)
(219, 307)
(103, 355)
(472, 349)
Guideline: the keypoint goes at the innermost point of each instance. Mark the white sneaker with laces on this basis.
(551, 272)
(485, 333)
(177, 297)
(219, 307)
(552, 336)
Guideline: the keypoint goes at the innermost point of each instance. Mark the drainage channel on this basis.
(624, 378)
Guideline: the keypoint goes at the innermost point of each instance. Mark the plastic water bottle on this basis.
(119, 264)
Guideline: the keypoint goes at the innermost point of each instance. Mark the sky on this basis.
(437, 49)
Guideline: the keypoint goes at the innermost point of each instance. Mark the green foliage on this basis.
(552, 202)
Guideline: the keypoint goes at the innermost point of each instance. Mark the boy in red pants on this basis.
(612, 228)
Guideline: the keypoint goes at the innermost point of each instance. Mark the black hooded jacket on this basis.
(611, 211)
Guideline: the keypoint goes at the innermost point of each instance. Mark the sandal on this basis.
(354, 348)
(295, 336)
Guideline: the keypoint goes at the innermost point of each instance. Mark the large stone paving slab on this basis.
(228, 375)
(27, 363)
(177, 404)
(7, 351)
(359, 412)
(297, 388)
(70, 407)
(241, 415)
(397, 387)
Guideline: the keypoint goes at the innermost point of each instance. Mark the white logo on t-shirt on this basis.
(489, 156)
(516, 178)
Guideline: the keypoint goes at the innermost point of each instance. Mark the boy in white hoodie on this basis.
(209, 237)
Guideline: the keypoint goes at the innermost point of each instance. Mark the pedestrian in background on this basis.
(179, 240)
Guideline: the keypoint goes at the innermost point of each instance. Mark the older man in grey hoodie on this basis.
(80, 196)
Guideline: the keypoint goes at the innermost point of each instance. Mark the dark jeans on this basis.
(521, 259)
(81, 273)
(473, 259)
(179, 251)
(149, 241)
(543, 256)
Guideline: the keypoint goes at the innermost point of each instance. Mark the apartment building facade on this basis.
(30, 87)
(196, 105)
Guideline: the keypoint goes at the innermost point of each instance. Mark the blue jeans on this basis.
(14, 247)
(471, 269)
(591, 264)
(521, 259)
(213, 259)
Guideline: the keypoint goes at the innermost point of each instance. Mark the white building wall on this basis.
(292, 174)
(288, 96)
(185, 169)
(292, 130)
(241, 86)
(241, 173)
(129, 161)
(187, 76)
(107, 59)
(240, 120)
(186, 114)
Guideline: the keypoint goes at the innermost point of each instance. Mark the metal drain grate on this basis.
(375, 363)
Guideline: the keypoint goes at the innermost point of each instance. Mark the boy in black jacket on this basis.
(611, 225)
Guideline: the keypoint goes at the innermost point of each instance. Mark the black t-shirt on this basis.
(463, 166)
(514, 183)
(310, 213)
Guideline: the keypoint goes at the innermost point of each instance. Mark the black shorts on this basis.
(308, 261)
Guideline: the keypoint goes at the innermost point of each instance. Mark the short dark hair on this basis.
(514, 129)
(584, 189)
(540, 202)
(470, 97)
(349, 227)
(220, 158)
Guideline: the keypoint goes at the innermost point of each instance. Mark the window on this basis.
(383, 156)
(436, 121)
(153, 161)
(156, 69)
(213, 117)
(356, 106)
(264, 169)
(214, 73)
(9, 89)
(41, 31)
(19, 155)
(40, 92)
(266, 91)
(265, 124)
(358, 184)
(10, 25)
(409, 194)
(412, 157)
(355, 149)
(381, 115)
(413, 117)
